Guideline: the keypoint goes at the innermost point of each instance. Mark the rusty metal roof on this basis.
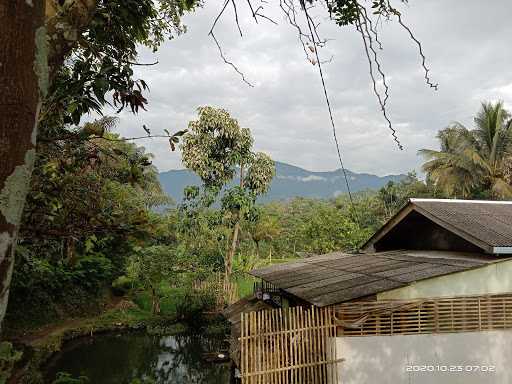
(338, 277)
(486, 224)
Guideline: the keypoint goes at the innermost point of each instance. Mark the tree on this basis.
(153, 265)
(318, 226)
(474, 162)
(394, 196)
(327, 229)
(215, 147)
(89, 206)
(43, 92)
(265, 228)
(90, 187)
(23, 81)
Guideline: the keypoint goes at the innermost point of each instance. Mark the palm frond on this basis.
(501, 189)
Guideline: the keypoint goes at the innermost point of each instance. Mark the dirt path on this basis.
(35, 337)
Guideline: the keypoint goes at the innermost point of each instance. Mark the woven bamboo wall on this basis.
(288, 346)
(295, 345)
(460, 314)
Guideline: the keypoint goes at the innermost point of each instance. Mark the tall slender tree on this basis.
(215, 147)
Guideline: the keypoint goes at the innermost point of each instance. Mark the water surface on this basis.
(119, 359)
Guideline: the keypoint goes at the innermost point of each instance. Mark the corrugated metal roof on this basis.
(488, 221)
(338, 277)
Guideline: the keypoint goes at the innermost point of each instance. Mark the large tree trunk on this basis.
(29, 59)
(23, 71)
(228, 262)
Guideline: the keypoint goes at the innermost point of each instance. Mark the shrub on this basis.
(8, 357)
(191, 307)
(66, 378)
(92, 272)
(122, 285)
(41, 290)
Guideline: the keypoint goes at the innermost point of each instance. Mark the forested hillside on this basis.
(290, 181)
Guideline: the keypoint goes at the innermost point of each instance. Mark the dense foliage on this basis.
(90, 206)
(474, 163)
(101, 55)
(167, 253)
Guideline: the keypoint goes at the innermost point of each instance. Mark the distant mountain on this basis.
(290, 181)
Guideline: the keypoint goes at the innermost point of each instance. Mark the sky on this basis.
(466, 43)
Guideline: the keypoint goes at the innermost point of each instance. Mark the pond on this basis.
(119, 359)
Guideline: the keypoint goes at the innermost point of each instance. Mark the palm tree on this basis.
(473, 160)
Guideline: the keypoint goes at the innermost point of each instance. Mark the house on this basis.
(432, 248)
(428, 298)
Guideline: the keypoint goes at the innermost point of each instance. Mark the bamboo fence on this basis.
(288, 346)
(225, 292)
(443, 315)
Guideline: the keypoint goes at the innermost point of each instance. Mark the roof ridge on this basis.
(429, 200)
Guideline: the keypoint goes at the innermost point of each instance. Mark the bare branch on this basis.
(229, 62)
(218, 17)
(267, 18)
(310, 41)
(252, 11)
(257, 13)
(364, 21)
(236, 17)
(420, 48)
(131, 138)
(142, 64)
(289, 11)
(375, 90)
(212, 34)
(373, 28)
(327, 61)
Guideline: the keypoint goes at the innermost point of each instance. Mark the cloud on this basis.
(467, 50)
(303, 178)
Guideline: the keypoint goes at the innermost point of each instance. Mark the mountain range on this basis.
(290, 181)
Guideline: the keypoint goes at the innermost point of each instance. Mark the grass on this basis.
(169, 298)
(53, 336)
(245, 282)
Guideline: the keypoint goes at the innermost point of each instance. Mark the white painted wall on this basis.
(492, 279)
(384, 359)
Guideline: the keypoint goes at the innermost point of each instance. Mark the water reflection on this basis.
(119, 359)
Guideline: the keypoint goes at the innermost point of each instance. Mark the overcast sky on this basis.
(468, 48)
